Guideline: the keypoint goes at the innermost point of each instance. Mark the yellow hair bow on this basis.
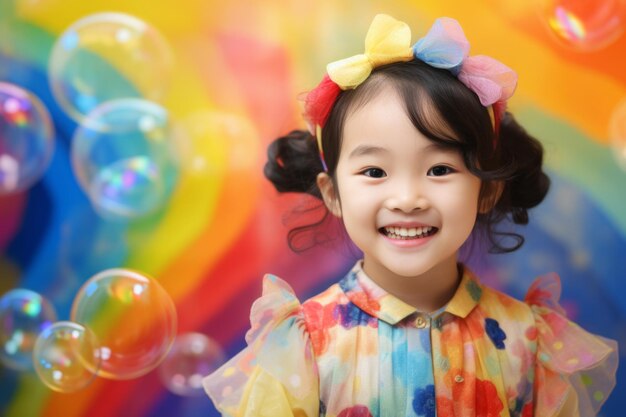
(388, 40)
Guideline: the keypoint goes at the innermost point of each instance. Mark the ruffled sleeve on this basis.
(275, 375)
(575, 370)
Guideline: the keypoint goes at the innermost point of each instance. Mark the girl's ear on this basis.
(490, 195)
(329, 193)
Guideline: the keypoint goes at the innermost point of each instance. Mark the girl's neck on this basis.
(426, 292)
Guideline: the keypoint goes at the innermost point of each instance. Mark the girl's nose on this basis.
(407, 198)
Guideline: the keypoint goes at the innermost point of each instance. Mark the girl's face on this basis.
(407, 204)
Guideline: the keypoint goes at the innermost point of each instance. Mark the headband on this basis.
(387, 41)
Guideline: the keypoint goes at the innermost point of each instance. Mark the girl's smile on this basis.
(408, 235)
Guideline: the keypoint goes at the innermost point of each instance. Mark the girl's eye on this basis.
(440, 170)
(374, 173)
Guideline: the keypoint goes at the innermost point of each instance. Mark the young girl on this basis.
(412, 149)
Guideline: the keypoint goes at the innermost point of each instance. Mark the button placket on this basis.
(421, 322)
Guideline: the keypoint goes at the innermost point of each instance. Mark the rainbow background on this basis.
(222, 230)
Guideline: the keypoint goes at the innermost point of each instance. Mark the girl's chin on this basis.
(401, 269)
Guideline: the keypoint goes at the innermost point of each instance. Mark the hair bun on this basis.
(293, 163)
(529, 186)
(525, 183)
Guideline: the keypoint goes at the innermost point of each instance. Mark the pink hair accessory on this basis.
(491, 80)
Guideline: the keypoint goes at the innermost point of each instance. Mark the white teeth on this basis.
(407, 232)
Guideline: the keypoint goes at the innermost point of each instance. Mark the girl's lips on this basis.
(408, 237)
(395, 231)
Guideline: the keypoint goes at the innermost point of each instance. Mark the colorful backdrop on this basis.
(238, 67)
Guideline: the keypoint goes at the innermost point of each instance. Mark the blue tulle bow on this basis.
(444, 46)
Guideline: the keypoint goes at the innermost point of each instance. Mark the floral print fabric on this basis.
(355, 350)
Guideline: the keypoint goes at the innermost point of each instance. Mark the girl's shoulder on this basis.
(500, 305)
(541, 299)
(330, 296)
(541, 309)
(278, 354)
(567, 356)
(475, 300)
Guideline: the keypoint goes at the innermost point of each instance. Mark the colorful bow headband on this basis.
(388, 40)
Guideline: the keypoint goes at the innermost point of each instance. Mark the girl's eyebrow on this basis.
(433, 147)
(440, 147)
(367, 150)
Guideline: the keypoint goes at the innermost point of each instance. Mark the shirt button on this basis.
(421, 322)
(459, 378)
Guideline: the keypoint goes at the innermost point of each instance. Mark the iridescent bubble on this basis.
(192, 357)
(107, 56)
(26, 138)
(617, 133)
(584, 25)
(66, 356)
(132, 316)
(124, 158)
(23, 315)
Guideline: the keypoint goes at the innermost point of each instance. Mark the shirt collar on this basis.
(375, 301)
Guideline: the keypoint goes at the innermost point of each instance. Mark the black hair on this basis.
(446, 112)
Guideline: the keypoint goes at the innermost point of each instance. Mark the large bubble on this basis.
(133, 318)
(192, 357)
(26, 138)
(617, 133)
(106, 56)
(584, 25)
(23, 315)
(66, 356)
(124, 157)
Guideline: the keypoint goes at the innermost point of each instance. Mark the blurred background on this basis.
(133, 135)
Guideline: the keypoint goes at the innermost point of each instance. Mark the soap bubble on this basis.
(107, 56)
(26, 138)
(617, 133)
(192, 357)
(23, 315)
(584, 25)
(66, 356)
(133, 318)
(124, 157)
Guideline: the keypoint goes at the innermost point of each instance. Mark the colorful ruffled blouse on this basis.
(356, 350)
